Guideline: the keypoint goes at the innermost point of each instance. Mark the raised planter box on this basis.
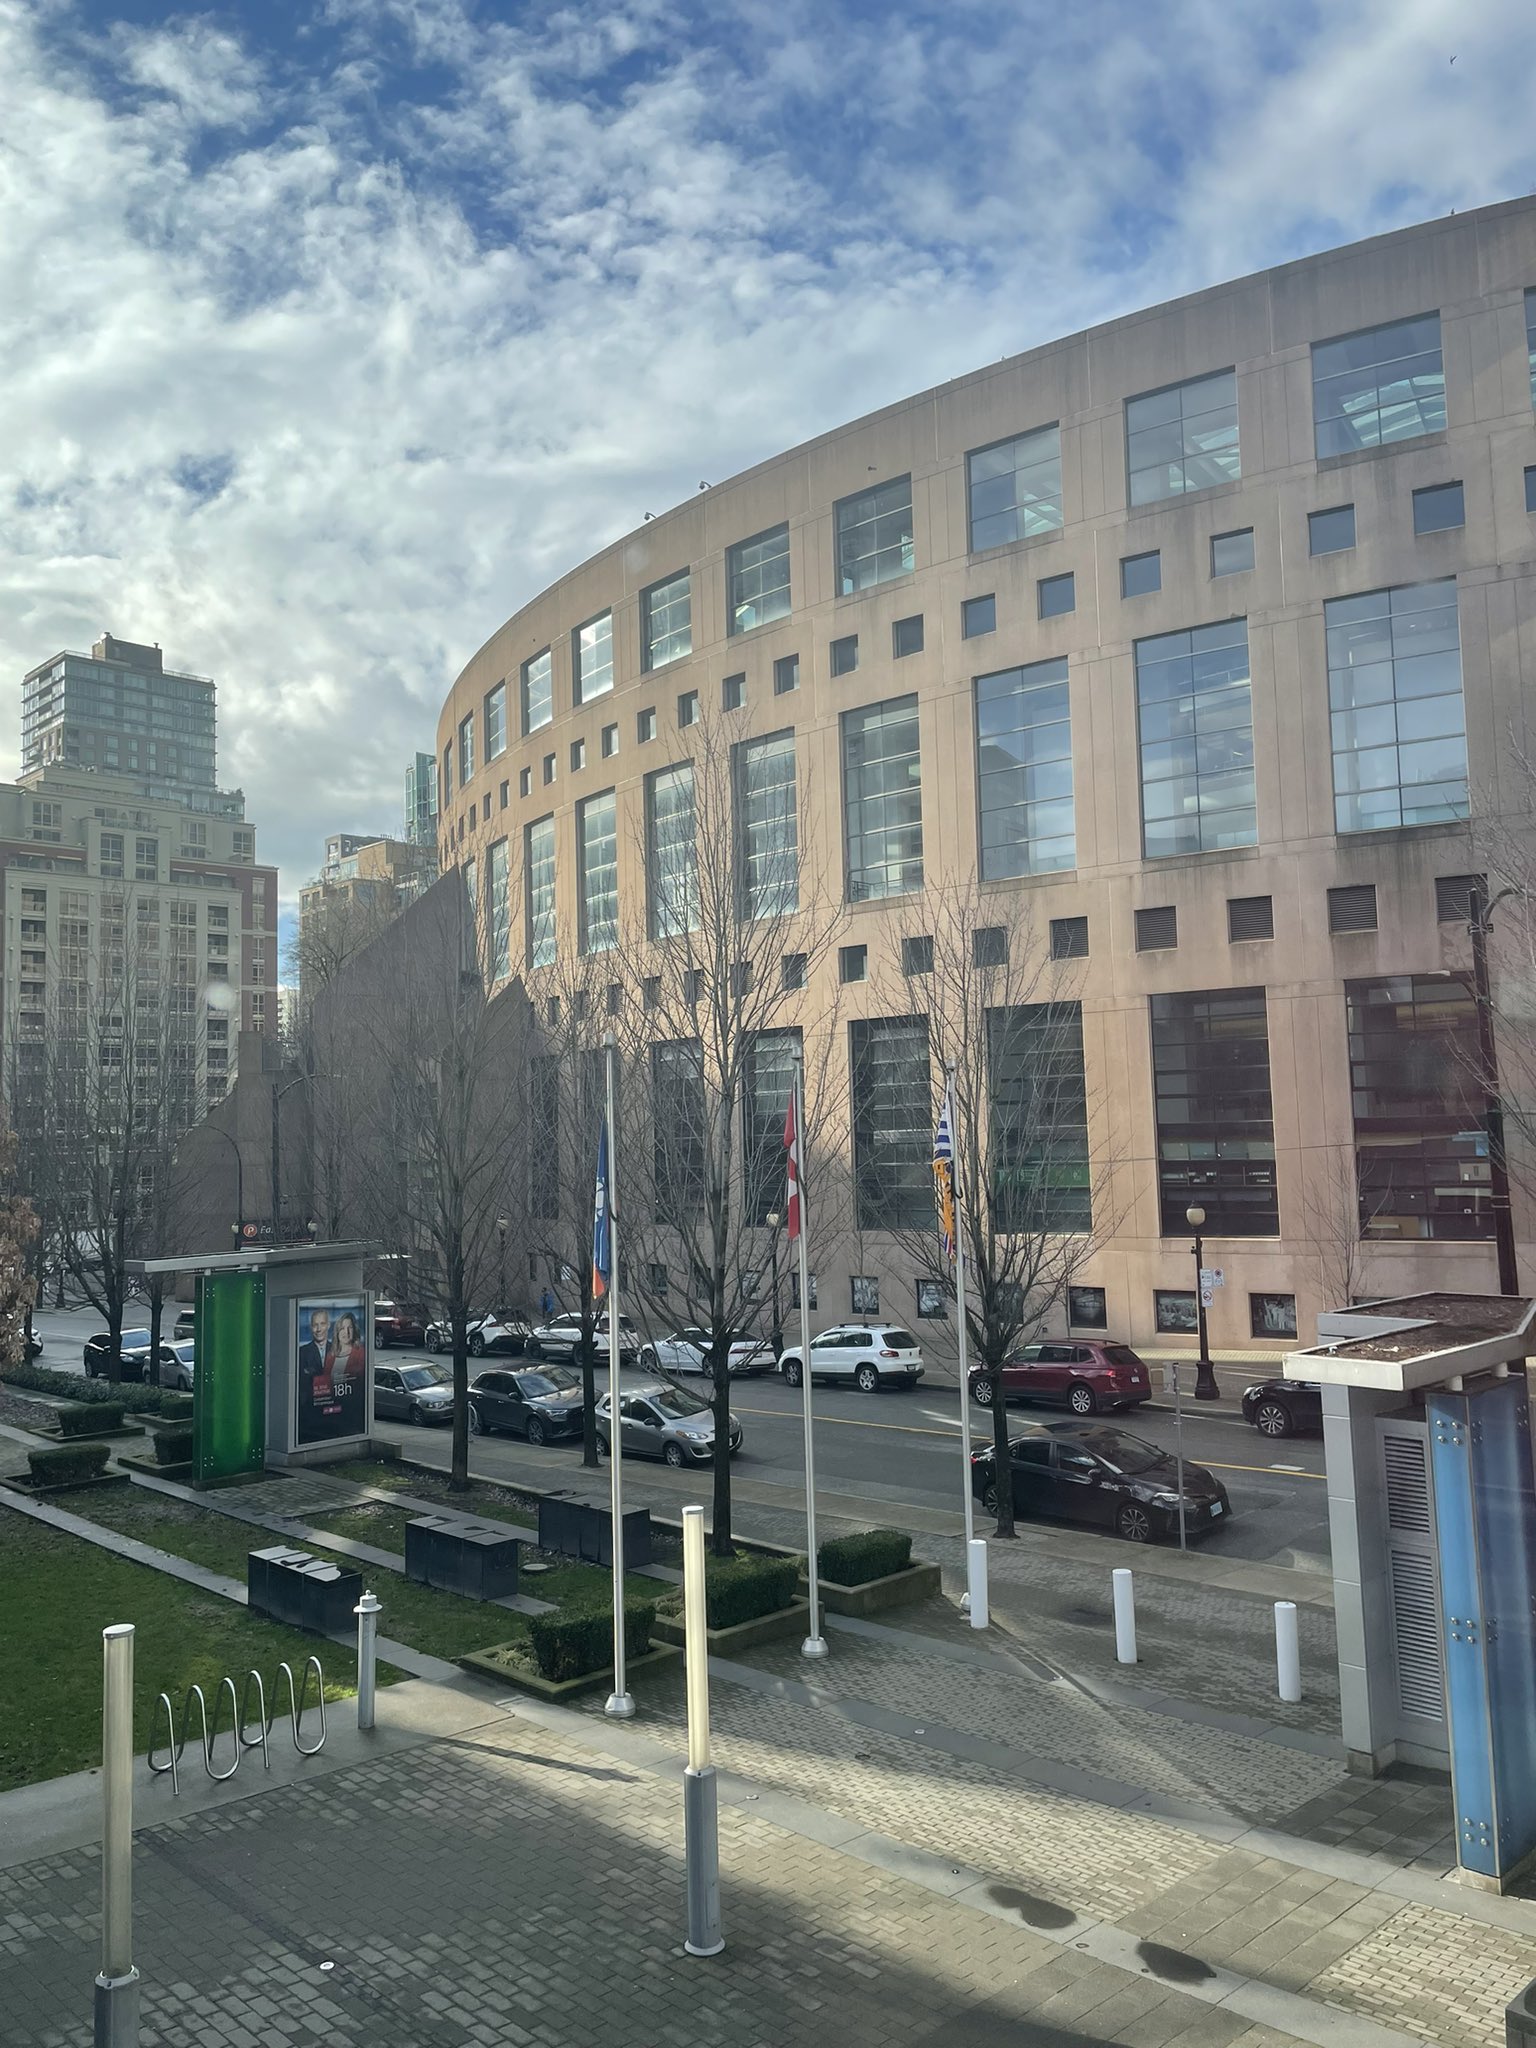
(483, 1664)
(575, 1528)
(478, 1563)
(294, 1587)
(182, 1473)
(87, 1436)
(744, 1635)
(897, 1589)
(25, 1484)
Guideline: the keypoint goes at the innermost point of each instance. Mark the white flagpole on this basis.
(815, 1644)
(619, 1702)
(975, 1600)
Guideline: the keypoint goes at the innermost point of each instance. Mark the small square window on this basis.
(866, 1294)
(485, 808)
(1330, 532)
(610, 741)
(792, 971)
(1087, 1308)
(853, 963)
(989, 946)
(506, 793)
(645, 725)
(1438, 508)
(786, 674)
(845, 655)
(1157, 930)
(525, 782)
(615, 998)
(742, 979)
(693, 987)
(1272, 1315)
(733, 692)
(1173, 1310)
(578, 756)
(581, 1004)
(688, 708)
(1140, 575)
(1352, 908)
(1069, 938)
(1453, 897)
(650, 992)
(1530, 490)
(917, 955)
(549, 767)
(1057, 594)
(907, 637)
(656, 1278)
(978, 615)
(1250, 917)
(1231, 552)
(930, 1301)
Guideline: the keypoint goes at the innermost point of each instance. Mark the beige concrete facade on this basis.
(1474, 270)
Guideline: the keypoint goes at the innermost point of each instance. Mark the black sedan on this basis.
(1284, 1407)
(1085, 1472)
(538, 1404)
(133, 1353)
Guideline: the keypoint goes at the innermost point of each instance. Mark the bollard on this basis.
(1287, 1650)
(1125, 1615)
(976, 1574)
(701, 1837)
(367, 1611)
(117, 1987)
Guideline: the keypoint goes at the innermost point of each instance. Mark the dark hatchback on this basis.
(1085, 1472)
(539, 1405)
(1284, 1407)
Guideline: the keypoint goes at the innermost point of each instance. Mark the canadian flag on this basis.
(792, 1148)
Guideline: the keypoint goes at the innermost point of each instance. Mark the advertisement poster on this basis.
(332, 1377)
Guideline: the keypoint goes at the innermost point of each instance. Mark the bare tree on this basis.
(19, 1233)
(1337, 1228)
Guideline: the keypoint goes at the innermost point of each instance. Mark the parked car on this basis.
(413, 1393)
(498, 1330)
(178, 1365)
(34, 1344)
(538, 1402)
(1086, 1376)
(395, 1324)
(687, 1351)
(872, 1356)
(560, 1337)
(1087, 1472)
(133, 1351)
(440, 1334)
(664, 1422)
(186, 1325)
(1284, 1407)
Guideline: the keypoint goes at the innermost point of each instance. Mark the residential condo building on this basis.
(120, 711)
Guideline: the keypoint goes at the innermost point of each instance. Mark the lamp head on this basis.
(1194, 1216)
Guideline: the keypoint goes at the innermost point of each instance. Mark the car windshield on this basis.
(418, 1376)
(673, 1401)
(1128, 1454)
(555, 1381)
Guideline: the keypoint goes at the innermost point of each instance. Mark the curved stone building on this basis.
(1200, 637)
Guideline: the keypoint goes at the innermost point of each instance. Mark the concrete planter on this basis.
(23, 1484)
(483, 1664)
(897, 1589)
(745, 1635)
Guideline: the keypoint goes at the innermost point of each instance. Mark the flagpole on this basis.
(815, 1644)
(619, 1703)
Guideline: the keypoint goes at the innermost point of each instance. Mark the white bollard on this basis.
(1125, 1616)
(367, 1611)
(1287, 1650)
(117, 1985)
(701, 1825)
(976, 1575)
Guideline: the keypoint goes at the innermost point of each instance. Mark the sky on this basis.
(330, 333)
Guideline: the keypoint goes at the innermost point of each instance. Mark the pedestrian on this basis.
(547, 1302)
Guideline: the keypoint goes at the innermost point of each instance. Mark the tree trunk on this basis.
(156, 1299)
(115, 1338)
(720, 1541)
(1002, 1458)
(458, 1477)
(588, 1398)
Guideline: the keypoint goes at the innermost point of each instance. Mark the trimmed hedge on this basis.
(871, 1554)
(68, 1464)
(175, 1407)
(738, 1589)
(39, 1379)
(571, 1645)
(173, 1444)
(85, 1418)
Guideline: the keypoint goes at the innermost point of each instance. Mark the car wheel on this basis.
(866, 1379)
(673, 1453)
(989, 1498)
(648, 1359)
(533, 1348)
(602, 1450)
(981, 1392)
(792, 1371)
(416, 1415)
(536, 1429)
(1134, 1523)
(476, 1426)
(1273, 1418)
(477, 1346)
(1082, 1400)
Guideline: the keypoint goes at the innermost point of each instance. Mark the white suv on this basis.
(871, 1356)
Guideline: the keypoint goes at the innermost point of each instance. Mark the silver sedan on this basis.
(663, 1422)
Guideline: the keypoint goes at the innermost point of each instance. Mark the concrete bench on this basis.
(304, 1591)
(475, 1559)
(574, 1528)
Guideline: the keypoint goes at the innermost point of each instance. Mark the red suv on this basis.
(1085, 1376)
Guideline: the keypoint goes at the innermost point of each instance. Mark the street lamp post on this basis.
(234, 1143)
(1206, 1388)
(774, 1219)
(1479, 923)
(277, 1148)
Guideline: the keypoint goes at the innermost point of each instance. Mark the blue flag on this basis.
(602, 1233)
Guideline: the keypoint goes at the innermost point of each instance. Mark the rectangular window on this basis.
(1194, 707)
(786, 674)
(1024, 771)
(917, 955)
(1438, 507)
(891, 1088)
(907, 637)
(989, 946)
(466, 748)
(1183, 438)
(1014, 488)
(1352, 908)
(1140, 575)
(1399, 725)
(688, 708)
(1215, 1123)
(768, 850)
(525, 782)
(1272, 1315)
(146, 860)
(792, 971)
(766, 1085)
(931, 1303)
(592, 658)
(1038, 1117)
(1250, 917)
(578, 756)
(1069, 938)
(645, 725)
(1530, 338)
(498, 911)
(1173, 1311)
(1421, 1148)
(544, 1116)
(1331, 531)
(677, 1125)
(597, 873)
(506, 791)
(874, 536)
(845, 655)
(539, 868)
(1453, 897)
(496, 722)
(610, 742)
(1057, 595)
(1087, 1308)
(1377, 387)
(864, 1294)
(757, 580)
(549, 769)
(671, 859)
(1157, 931)
(733, 692)
(538, 692)
(1231, 553)
(447, 774)
(882, 800)
(1530, 490)
(666, 621)
(978, 615)
(853, 963)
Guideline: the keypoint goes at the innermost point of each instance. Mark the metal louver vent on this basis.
(1157, 929)
(1250, 917)
(1352, 908)
(1416, 1625)
(1407, 1484)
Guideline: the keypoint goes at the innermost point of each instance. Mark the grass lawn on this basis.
(496, 1503)
(57, 1593)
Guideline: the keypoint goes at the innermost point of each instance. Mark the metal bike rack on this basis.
(239, 1706)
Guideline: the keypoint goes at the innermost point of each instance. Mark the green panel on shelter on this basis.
(230, 1386)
